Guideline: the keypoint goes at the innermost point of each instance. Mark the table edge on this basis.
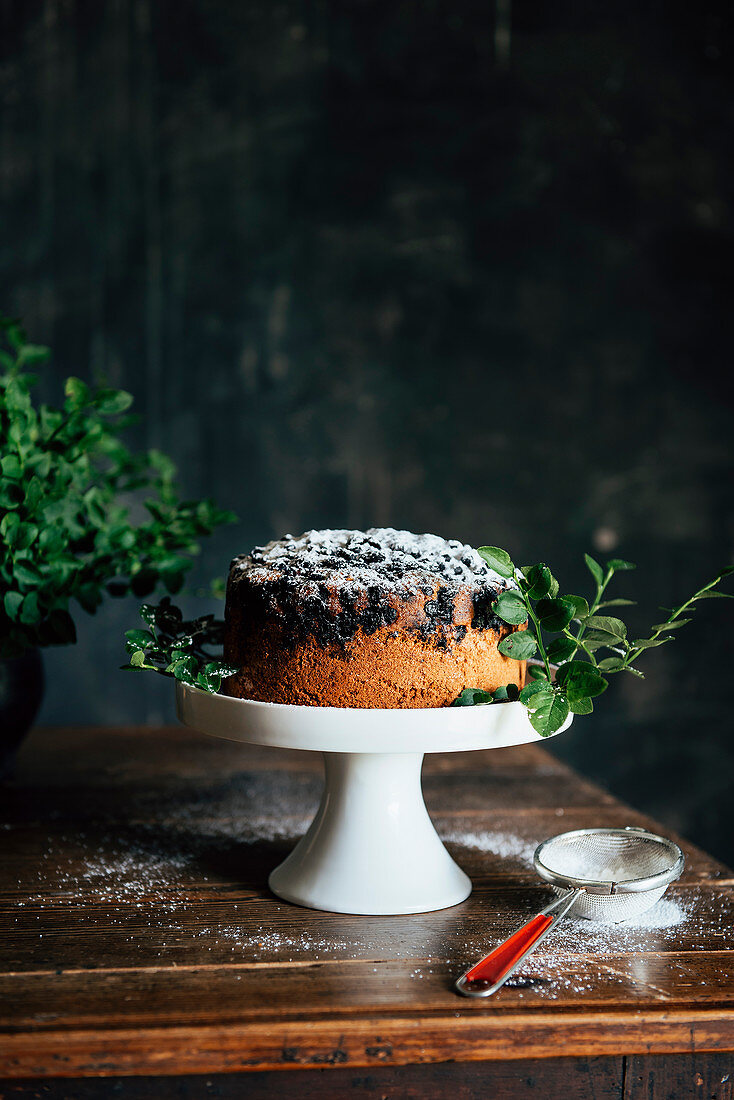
(367, 1042)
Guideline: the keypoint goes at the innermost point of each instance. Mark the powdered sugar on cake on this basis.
(335, 584)
(372, 558)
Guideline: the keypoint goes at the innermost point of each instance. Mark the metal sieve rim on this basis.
(629, 886)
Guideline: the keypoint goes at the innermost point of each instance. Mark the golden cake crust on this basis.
(391, 622)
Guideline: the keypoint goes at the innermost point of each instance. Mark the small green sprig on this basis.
(476, 697)
(175, 647)
(566, 674)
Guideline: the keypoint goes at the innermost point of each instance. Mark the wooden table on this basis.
(141, 945)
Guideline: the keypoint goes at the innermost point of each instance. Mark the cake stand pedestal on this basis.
(372, 848)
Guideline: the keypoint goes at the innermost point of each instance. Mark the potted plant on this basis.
(68, 537)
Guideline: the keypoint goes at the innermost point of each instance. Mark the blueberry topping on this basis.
(331, 584)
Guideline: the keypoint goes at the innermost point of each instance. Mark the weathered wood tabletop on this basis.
(140, 939)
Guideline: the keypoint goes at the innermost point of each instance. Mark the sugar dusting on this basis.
(151, 867)
(367, 557)
(154, 878)
(503, 845)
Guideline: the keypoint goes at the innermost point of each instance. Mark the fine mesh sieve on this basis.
(601, 874)
(622, 872)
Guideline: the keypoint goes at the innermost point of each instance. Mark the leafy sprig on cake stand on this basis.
(177, 647)
(574, 645)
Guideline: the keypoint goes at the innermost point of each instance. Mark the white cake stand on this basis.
(371, 848)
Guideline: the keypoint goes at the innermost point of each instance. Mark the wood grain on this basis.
(140, 937)
(633, 1077)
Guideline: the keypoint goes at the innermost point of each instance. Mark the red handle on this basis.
(493, 966)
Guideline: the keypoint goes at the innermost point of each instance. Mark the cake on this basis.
(376, 618)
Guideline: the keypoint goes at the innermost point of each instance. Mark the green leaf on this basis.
(536, 688)
(594, 568)
(560, 650)
(540, 581)
(519, 645)
(619, 565)
(600, 640)
(137, 659)
(210, 681)
(671, 626)
(41, 464)
(7, 525)
(498, 560)
(166, 469)
(555, 614)
(11, 495)
(581, 706)
(651, 643)
(608, 625)
(24, 536)
(26, 573)
(188, 678)
(11, 467)
(12, 603)
(549, 714)
(149, 614)
(536, 672)
(580, 680)
(506, 694)
(185, 668)
(78, 392)
(620, 602)
(142, 638)
(472, 697)
(34, 494)
(30, 354)
(610, 664)
(580, 606)
(511, 608)
(226, 670)
(218, 668)
(715, 596)
(14, 332)
(30, 613)
(113, 402)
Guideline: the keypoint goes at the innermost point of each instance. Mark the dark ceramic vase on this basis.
(21, 691)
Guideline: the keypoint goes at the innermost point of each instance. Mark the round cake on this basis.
(377, 618)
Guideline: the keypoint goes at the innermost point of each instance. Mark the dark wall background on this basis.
(439, 265)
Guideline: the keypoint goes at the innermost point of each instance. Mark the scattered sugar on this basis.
(153, 871)
(149, 869)
(264, 943)
(504, 845)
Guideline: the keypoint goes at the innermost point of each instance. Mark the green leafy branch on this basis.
(178, 648)
(67, 483)
(567, 674)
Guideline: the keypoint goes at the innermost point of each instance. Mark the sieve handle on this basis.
(491, 972)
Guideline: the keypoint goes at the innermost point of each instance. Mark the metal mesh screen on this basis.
(609, 859)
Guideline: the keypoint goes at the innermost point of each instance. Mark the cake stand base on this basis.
(372, 848)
